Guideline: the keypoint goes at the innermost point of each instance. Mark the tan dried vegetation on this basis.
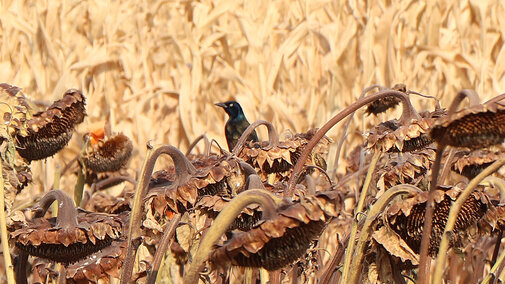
(152, 71)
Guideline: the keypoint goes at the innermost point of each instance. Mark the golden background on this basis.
(154, 69)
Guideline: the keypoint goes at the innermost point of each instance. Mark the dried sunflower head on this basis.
(105, 264)
(280, 158)
(275, 243)
(218, 175)
(470, 164)
(478, 126)
(409, 168)
(406, 217)
(382, 105)
(211, 205)
(49, 131)
(109, 155)
(391, 136)
(44, 239)
(72, 236)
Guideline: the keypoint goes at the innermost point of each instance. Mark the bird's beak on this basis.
(221, 105)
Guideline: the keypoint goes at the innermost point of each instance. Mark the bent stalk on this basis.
(376, 209)
(162, 247)
(222, 223)
(407, 114)
(9, 271)
(184, 170)
(359, 208)
(453, 215)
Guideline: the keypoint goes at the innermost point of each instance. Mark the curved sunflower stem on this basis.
(195, 142)
(183, 169)
(349, 253)
(66, 218)
(496, 99)
(343, 135)
(375, 210)
(453, 215)
(222, 223)
(331, 268)
(163, 247)
(273, 136)
(466, 93)
(492, 272)
(499, 183)
(9, 270)
(67, 213)
(408, 114)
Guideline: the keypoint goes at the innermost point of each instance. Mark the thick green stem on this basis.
(273, 137)
(407, 114)
(375, 210)
(349, 254)
(183, 168)
(162, 248)
(453, 215)
(222, 223)
(9, 270)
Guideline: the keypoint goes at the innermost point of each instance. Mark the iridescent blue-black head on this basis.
(232, 108)
(236, 124)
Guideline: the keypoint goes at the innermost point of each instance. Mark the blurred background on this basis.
(154, 69)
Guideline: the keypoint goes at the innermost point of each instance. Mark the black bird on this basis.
(236, 124)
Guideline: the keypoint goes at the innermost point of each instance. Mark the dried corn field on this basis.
(149, 73)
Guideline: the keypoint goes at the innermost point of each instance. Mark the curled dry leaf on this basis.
(277, 242)
(395, 245)
(49, 131)
(476, 127)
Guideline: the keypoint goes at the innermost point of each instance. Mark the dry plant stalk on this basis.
(290, 63)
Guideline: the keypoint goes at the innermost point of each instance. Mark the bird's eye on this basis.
(231, 105)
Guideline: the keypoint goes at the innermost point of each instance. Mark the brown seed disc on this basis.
(408, 222)
(64, 254)
(94, 232)
(381, 105)
(111, 155)
(49, 131)
(279, 252)
(476, 127)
